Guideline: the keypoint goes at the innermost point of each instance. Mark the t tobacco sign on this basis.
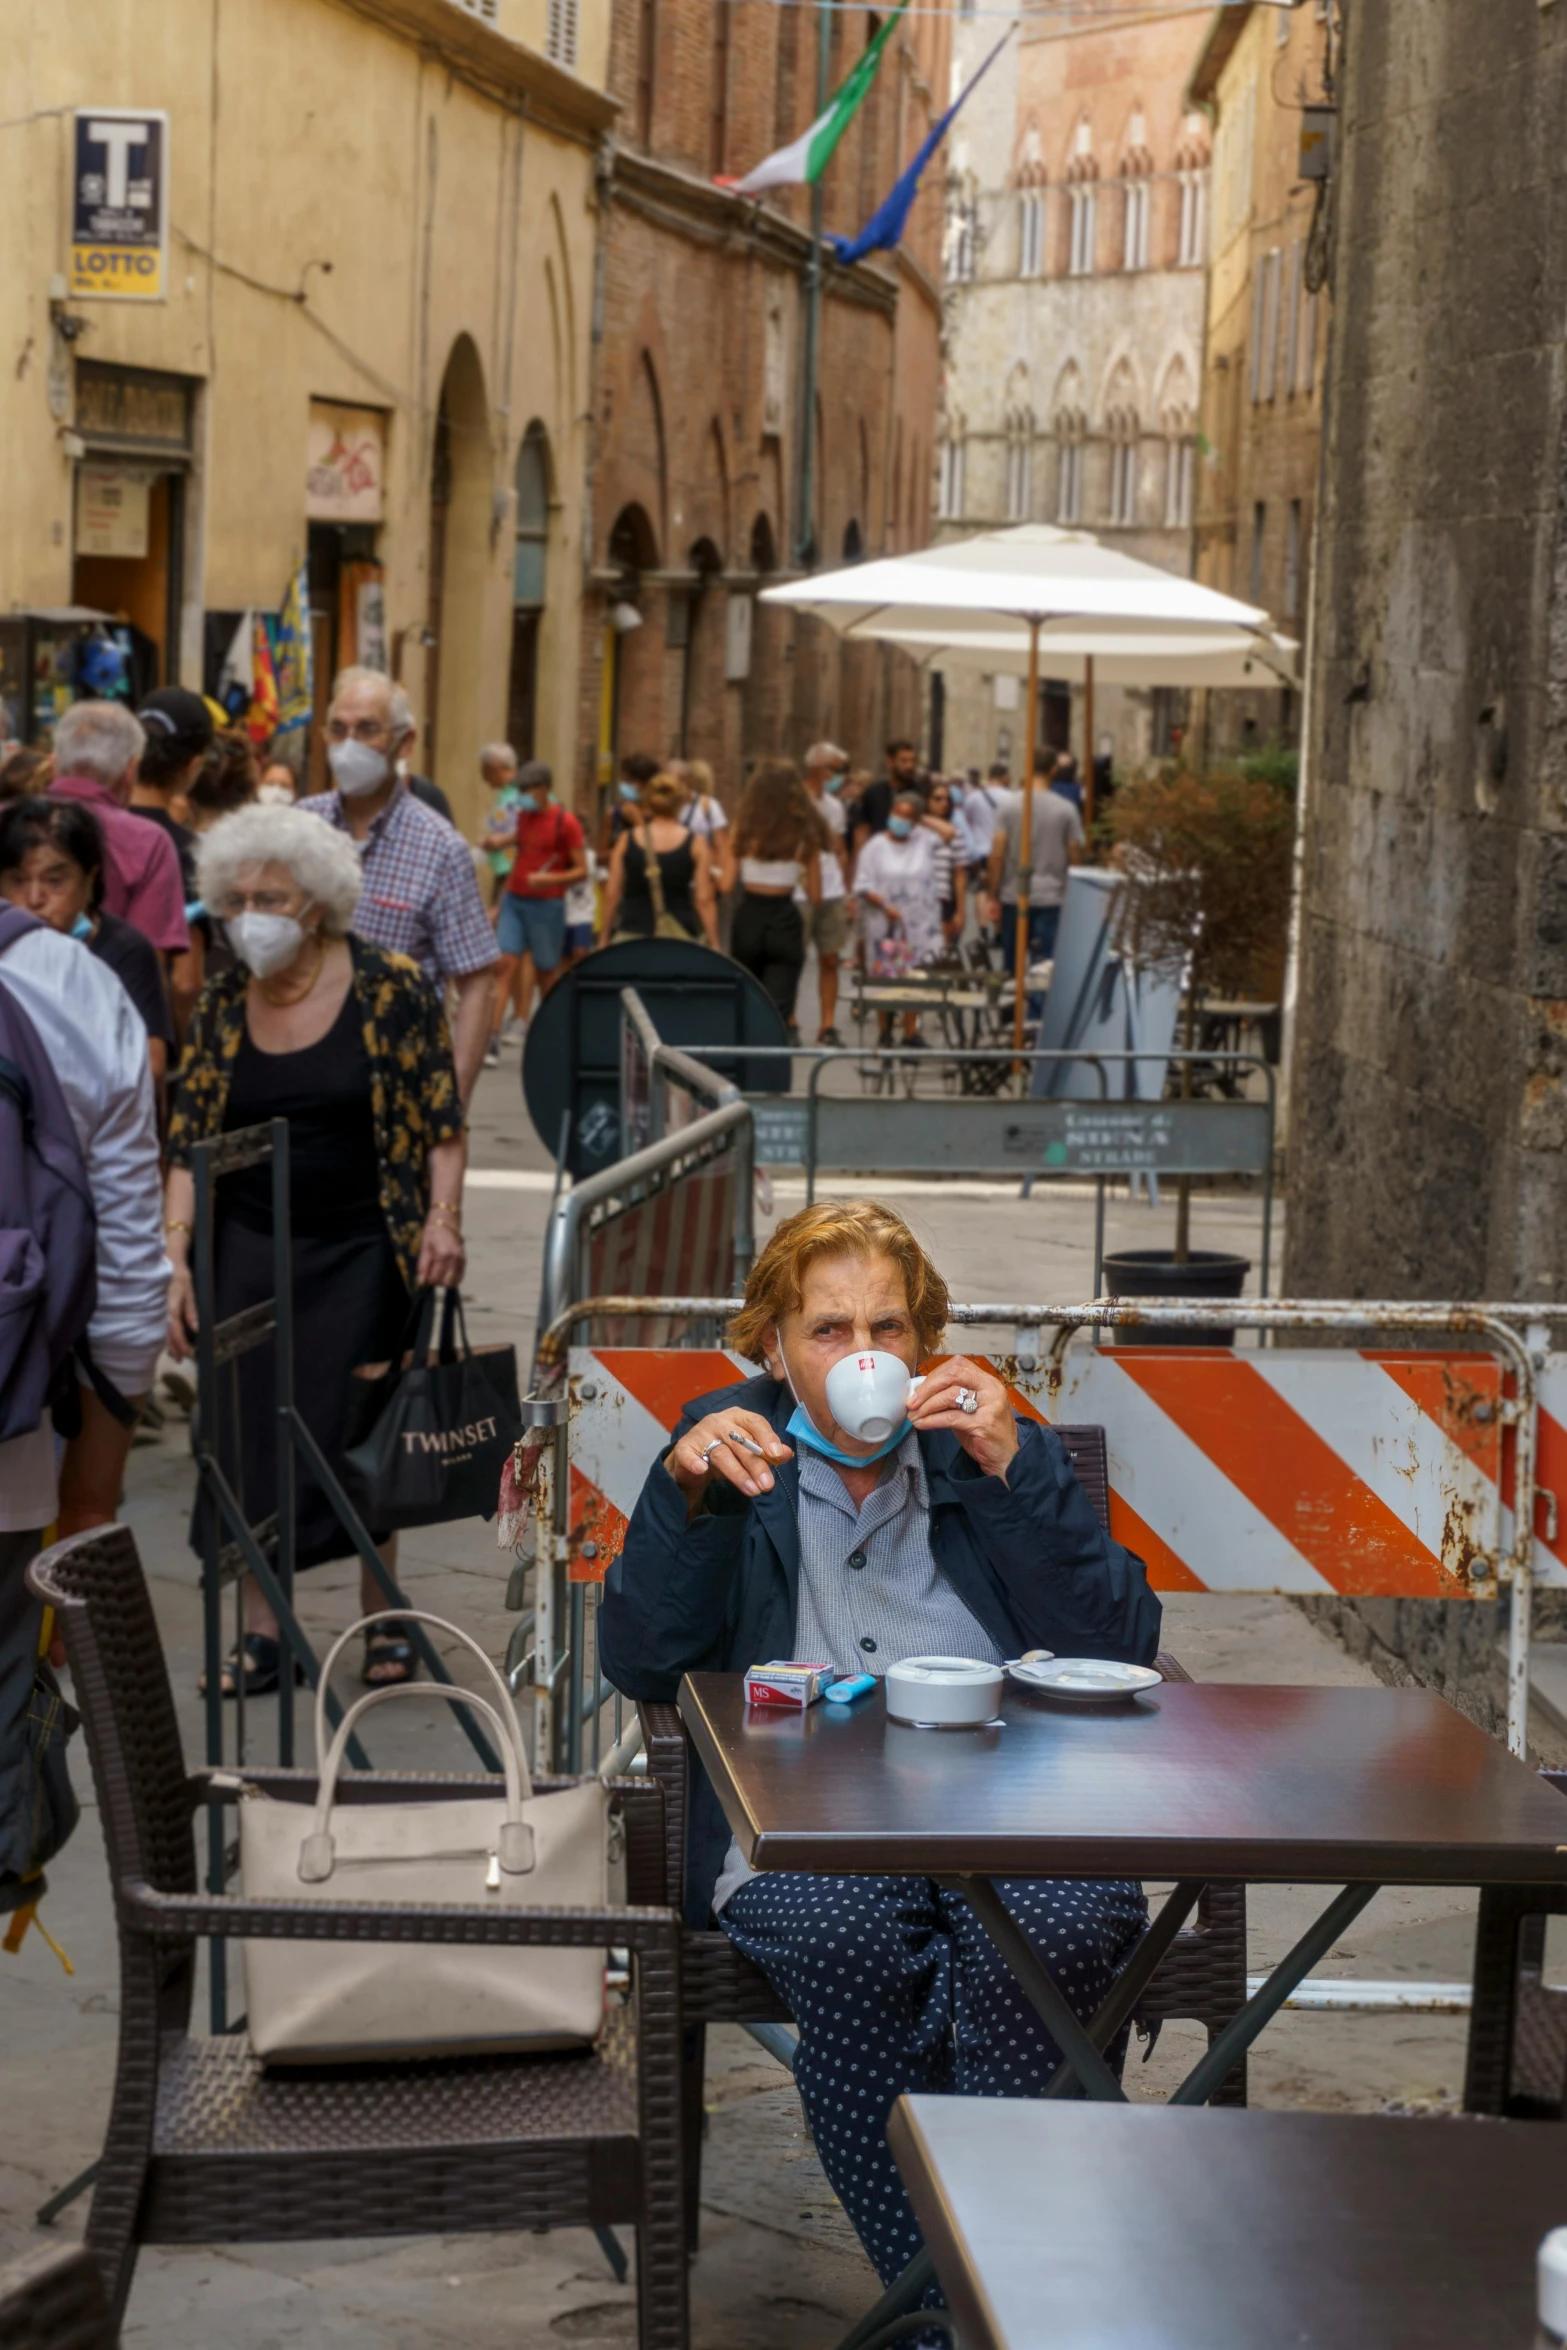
(120, 205)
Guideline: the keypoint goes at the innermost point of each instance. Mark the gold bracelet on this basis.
(455, 1205)
(176, 1227)
(444, 1216)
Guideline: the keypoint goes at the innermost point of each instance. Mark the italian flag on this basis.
(808, 157)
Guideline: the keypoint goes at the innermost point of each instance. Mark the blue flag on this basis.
(885, 227)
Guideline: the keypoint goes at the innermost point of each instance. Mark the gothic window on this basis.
(1020, 465)
(1123, 467)
(949, 481)
(1084, 223)
(1031, 232)
(1134, 238)
(1069, 476)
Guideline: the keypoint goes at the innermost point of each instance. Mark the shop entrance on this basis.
(128, 525)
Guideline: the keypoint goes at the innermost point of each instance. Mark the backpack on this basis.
(48, 1231)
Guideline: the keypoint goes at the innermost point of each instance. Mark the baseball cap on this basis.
(180, 718)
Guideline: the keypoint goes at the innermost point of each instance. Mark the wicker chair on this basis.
(1517, 2058)
(206, 2146)
(1202, 1978)
(54, 2300)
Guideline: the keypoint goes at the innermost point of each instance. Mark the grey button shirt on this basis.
(871, 1592)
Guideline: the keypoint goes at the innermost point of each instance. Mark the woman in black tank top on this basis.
(685, 876)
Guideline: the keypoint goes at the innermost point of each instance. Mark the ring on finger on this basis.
(967, 1400)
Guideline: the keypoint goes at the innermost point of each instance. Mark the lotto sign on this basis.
(119, 205)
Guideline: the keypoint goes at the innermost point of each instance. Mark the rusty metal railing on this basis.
(1496, 1327)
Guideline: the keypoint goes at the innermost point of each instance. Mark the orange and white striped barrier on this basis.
(1373, 1474)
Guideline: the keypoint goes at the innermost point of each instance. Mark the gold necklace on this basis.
(284, 1001)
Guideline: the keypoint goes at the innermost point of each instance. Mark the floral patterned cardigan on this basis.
(413, 1081)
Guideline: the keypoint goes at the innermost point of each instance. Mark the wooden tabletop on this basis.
(1201, 1779)
(1082, 2226)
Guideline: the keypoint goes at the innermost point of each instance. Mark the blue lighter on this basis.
(845, 1692)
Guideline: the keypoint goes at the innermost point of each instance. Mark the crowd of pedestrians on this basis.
(192, 941)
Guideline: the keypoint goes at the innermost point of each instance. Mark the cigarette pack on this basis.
(786, 1684)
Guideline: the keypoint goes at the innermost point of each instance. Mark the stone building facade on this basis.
(695, 497)
(367, 342)
(1076, 241)
(1266, 344)
(1429, 1071)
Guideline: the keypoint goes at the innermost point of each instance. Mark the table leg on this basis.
(1040, 1985)
(1291, 1971)
(1132, 1981)
(906, 2291)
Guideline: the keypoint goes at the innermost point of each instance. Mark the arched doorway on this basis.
(529, 572)
(459, 559)
(631, 703)
(702, 670)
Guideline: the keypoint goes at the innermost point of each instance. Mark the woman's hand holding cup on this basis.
(985, 1427)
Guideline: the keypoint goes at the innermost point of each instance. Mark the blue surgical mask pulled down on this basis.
(802, 1425)
(900, 826)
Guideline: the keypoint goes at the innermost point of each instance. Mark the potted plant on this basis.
(1208, 860)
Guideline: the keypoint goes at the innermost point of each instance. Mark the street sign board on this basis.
(865, 1133)
(120, 204)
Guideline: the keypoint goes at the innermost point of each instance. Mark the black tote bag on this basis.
(428, 1435)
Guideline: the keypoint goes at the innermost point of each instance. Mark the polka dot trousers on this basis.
(896, 1986)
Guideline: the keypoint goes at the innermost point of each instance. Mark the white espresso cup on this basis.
(867, 1394)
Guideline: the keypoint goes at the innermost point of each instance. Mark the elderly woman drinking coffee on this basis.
(349, 1043)
(962, 1531)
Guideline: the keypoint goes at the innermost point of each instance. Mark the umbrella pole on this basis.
(1025, 847)
(1088, 746)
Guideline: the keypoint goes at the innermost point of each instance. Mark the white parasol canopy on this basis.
(1049, 602)
(1033, 574)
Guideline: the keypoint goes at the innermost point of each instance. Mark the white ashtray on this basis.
(943, 1692)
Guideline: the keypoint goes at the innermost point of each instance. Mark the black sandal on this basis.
(388, 1644)
(263, 1667)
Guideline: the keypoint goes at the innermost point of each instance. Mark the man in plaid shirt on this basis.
(421, 894)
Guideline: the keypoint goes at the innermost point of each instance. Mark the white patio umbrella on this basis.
(1010, 598)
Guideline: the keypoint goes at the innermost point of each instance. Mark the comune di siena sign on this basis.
(120, 204)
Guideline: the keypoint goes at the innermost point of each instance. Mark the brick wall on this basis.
(693, 465)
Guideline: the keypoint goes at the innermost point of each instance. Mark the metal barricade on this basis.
(680, 1204)
(1418, 1435)
(1281, 1469)
(1027, 1137)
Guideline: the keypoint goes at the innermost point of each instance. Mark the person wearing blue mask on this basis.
(768, 1530)
(822, 772)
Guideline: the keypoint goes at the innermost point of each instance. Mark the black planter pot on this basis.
(1153, 1272)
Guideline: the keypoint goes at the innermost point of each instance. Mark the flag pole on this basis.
(803, 537)
(1025, 849)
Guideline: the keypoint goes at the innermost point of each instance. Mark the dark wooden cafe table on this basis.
(1089, 2227)
(1195, 1782)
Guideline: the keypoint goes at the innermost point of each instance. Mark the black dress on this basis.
(350, 1304)
(677, 871)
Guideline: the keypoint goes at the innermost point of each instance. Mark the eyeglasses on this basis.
(363, 730)
(255, 901)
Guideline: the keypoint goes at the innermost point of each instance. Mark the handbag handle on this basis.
(510, 1730)
(514, 1845)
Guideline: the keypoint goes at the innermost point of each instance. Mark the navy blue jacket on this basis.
(1028, 1557)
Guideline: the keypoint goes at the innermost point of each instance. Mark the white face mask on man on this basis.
(357, 768)
(265, 942)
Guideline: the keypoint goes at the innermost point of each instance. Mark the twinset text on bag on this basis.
(447, 1441)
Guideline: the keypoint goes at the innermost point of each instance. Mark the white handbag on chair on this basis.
(336, 2001)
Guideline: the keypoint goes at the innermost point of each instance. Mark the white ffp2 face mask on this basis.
(265, 942)
(357, 768)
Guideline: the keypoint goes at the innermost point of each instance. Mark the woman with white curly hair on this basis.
(349, 1043)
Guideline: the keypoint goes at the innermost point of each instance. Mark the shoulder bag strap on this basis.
(655, 878)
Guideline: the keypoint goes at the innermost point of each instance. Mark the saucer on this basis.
(1086, 1680)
